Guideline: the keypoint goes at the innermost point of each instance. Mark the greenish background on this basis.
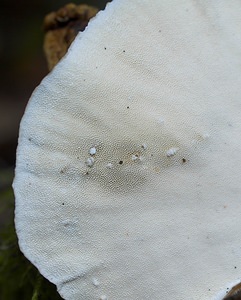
(23, 66)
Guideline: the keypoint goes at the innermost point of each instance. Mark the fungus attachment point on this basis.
(61, 27)
(234, 293)
(231, 292)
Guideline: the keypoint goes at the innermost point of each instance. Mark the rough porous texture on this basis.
(128, 166)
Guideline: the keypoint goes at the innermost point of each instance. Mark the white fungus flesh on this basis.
(133, 218)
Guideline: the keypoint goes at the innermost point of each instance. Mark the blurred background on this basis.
(23, 66)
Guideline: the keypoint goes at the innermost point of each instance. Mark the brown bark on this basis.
(234, 293)
(61, 28)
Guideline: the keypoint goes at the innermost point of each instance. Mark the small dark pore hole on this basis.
(62, 203)
(124, 51)
(128, 106)
(184, 160)
(30, 139)
(62, 171)
(105, 48)
(120, 162)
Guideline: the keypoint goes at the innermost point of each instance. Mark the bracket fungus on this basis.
(106, 207)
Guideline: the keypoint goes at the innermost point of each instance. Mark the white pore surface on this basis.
(128, 177)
